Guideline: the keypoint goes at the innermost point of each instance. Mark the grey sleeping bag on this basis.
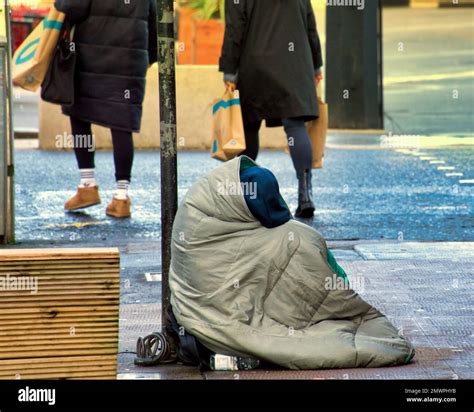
(244, 289)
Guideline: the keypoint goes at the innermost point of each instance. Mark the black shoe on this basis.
(305, 196)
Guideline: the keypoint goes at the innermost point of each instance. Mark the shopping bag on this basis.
(228, 136)
(32, 59)
(317, 130)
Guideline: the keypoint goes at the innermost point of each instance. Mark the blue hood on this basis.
(265, 201)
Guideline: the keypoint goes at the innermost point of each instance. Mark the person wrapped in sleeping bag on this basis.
(247, 279)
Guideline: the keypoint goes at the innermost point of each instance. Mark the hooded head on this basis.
(236, 196)
(262, 194)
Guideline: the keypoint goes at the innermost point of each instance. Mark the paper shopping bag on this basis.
(32, 59)
(228, 136)
(317, 130)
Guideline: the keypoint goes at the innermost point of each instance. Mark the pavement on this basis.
(397, 209)
(425, 289)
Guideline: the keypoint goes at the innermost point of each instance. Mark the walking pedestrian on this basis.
(115, 42)
(272, 54)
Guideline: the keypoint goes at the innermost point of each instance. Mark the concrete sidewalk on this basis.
(425, 289)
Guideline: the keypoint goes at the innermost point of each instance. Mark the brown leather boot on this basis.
(119, 208)
(85, 197)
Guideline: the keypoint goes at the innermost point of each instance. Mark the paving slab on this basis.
(129, 371)
(453, 251)
(346, 255)
(137, 320)
(430, 301)
(417, 370)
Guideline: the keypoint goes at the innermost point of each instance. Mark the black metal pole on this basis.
(381, 64)
(11, 135)
(8, 201)
(168, 144)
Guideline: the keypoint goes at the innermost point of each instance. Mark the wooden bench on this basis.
(59, 313)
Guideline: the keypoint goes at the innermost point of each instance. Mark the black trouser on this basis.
(84, 148)
(298, 141)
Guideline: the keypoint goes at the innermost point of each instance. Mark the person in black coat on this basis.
(272, 54)
(116, 42)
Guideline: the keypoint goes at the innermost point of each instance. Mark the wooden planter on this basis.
(200, 40)
(67, 326)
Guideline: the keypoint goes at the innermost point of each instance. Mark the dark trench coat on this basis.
(116, 40)
(274, 47)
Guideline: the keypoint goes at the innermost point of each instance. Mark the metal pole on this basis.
(3, 129)
(6, 156)
(381, 66)
(168, 143)
(11, 132)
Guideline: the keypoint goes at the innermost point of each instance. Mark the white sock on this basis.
(122, 189)
(87, 178)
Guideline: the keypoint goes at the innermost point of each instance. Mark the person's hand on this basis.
(319, 77)
(230, 86)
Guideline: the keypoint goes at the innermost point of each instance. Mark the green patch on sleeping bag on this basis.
(340, 272)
